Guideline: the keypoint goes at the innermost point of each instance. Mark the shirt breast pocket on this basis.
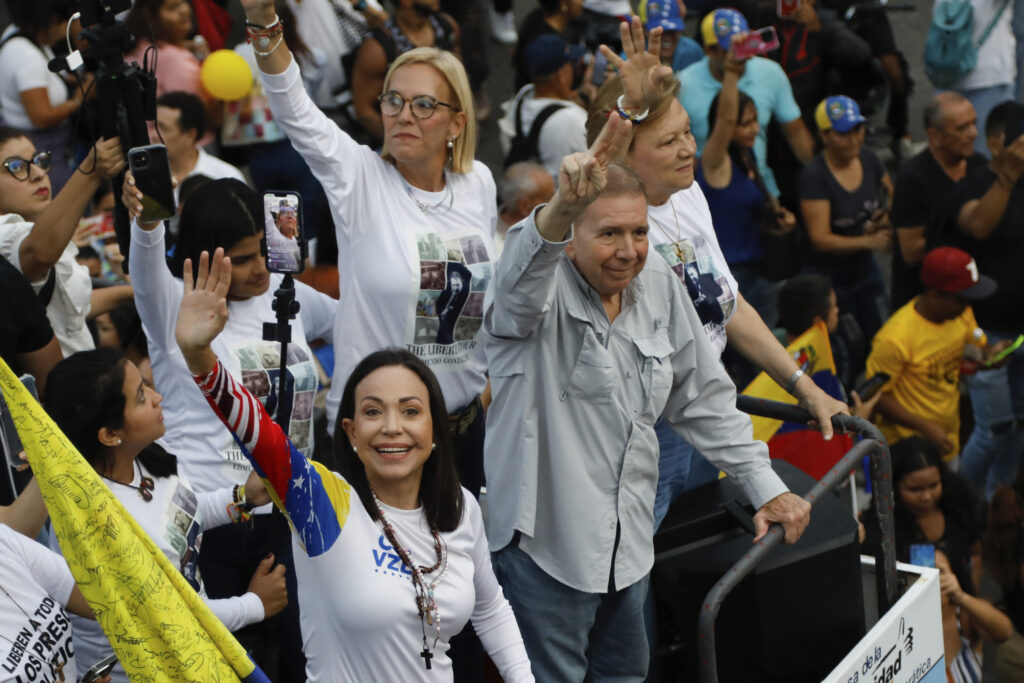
(593, 376)
(656, 358)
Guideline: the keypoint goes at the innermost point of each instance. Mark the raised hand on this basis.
(204, 310)
(109, 157)
(583, 175)
(641, 71)
(258, 9)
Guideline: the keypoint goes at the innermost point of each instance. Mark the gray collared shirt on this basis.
(571, 454)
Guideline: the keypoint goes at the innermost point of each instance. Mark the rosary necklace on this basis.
(428, 209)
(426, 605)
(145, 487)
(59, 668)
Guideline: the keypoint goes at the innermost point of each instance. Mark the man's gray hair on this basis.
(934, 116)
(622, 180)
(518, 182)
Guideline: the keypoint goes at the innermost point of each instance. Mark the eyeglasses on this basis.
(19, 168)
(422, 106)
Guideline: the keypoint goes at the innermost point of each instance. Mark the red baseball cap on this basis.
(952, 270)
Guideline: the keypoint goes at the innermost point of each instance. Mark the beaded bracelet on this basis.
(621, 108)
(239, 509)
(260, 36)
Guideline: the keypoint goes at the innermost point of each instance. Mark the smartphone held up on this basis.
(285, 245)
(151, 168)
(757, 43)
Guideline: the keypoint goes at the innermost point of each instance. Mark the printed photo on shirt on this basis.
(709, 289)
(432, 275)
(431, 247)
(452, 300)
(447, 311)
(482, 274)
(426, 306)
(182, 529)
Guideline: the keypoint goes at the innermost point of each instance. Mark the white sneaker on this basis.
(503, 27)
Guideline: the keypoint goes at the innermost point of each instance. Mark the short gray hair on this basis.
(518, 182)
(934, 116)
(622, 180)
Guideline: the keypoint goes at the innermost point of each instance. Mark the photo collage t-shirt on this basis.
(681, 231)
(35, 631)
(449, 303)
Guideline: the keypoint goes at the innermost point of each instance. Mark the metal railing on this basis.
(872, 444)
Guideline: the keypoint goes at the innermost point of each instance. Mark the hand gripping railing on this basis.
(873, 445)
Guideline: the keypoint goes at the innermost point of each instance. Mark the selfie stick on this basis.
(286, 307)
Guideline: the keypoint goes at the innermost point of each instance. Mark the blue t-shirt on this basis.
(736, 210)
(764, 81)
(688, 52)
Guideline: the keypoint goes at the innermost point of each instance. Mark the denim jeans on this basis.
(993, 451)
(680, 468)
(570, 635)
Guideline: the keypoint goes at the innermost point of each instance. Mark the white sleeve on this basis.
(318, 311)
(31, 71)
(237, 612)
(335, 159)
(157, 293)
(213, 507)
(493, 620)
(43, 566)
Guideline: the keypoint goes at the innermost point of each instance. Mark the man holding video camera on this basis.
(762, 79)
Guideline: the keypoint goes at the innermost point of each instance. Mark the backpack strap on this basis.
(992, 24)
(538, 123)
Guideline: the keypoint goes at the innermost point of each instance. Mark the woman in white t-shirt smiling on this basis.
(393, 558)
(101, 403)
(663, 153)
(405, 220)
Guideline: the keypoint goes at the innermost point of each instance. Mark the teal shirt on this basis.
(764, 81)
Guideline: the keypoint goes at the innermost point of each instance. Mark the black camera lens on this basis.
(140, 159)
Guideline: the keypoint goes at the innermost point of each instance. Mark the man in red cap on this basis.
(921, 348)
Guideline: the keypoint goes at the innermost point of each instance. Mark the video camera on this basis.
(126, 93)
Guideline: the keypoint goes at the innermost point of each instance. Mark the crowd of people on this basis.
(499, 379)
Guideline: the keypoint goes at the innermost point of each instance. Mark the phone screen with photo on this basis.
(282, 220)
(922, 555)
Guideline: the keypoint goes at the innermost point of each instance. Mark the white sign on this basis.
(905, 645)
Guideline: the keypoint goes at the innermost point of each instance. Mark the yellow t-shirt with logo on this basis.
(923, 360)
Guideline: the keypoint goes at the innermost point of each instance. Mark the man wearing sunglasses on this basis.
(36, 232)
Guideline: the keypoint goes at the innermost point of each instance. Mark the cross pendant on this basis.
(427, 656)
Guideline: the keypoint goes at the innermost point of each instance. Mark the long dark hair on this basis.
(143, 20)
(84, 393)
(37, 15)
(957, 502)
(220, 213)
(440, 493)
(741, 156)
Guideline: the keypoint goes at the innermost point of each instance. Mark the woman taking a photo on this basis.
(101, 403)
(663, 153)
(393, 558)
(405, 221)
(844, 197)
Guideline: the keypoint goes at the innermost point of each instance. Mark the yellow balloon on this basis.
(226, 76)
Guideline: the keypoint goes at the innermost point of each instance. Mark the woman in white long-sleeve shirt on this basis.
(101, 403)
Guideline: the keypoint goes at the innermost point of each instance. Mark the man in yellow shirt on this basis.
(921, 348)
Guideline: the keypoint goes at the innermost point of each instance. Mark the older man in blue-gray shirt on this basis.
(588, 344)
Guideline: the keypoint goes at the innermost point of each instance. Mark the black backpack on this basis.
(524, 147)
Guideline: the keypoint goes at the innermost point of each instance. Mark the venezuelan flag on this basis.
(795, 442)
(158, 626)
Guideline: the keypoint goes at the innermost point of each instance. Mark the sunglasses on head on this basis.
(19, 168)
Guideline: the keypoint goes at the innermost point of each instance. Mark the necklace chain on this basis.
(428, 209)
(677, 242)
(426, 605)
(145, 487)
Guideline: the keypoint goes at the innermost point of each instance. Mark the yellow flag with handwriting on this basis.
(158, 625)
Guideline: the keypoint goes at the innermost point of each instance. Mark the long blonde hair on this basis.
(451, 69)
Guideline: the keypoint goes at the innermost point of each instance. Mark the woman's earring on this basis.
(119, 442)
(354, 449)
(450, 143)
(433, 446)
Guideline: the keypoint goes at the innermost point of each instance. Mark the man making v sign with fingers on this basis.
(588, 344)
